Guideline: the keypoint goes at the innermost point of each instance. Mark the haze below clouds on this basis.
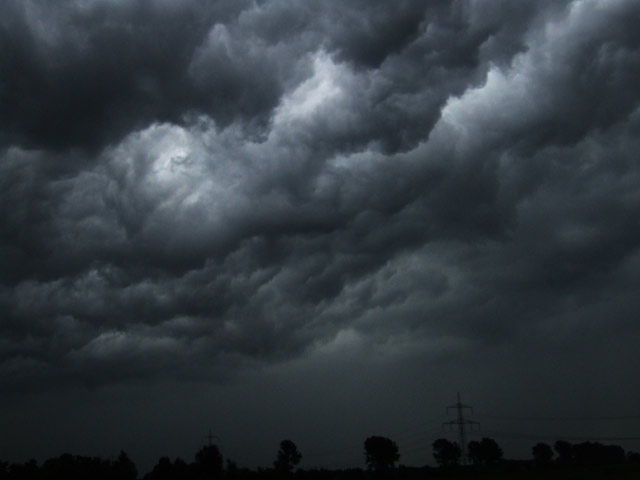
(317, 221)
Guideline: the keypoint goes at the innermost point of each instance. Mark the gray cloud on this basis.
(194, 191)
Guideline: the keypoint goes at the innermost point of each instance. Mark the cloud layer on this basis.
(190, 188)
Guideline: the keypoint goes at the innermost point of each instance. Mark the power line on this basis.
(561, 418)
(540, 436)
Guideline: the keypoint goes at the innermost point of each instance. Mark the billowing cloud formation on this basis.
(192, 187)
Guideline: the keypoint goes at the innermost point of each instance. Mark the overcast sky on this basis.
(316, 221)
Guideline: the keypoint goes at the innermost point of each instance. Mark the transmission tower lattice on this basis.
(210, 438)
(461, 423)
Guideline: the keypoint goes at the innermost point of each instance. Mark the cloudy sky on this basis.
(317, 221)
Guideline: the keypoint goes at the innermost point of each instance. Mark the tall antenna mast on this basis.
(461, 423)
(210, 438)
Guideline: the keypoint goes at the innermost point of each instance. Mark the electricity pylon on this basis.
(462, 425)
(210, 438)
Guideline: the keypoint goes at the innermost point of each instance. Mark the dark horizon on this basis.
(319, 221)
(381, 454)
(415, 443)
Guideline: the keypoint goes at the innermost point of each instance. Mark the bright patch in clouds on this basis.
(315, 94)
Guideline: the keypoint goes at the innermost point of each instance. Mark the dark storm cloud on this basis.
(93, 72)
(191, 188)
(82, 75)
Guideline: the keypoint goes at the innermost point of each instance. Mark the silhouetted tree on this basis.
(542, 454)
(208, 463)
(63, 467)
(69, 467)
(474, 452)
(288, 457)
(163, 470)
(594, 453)
(614, 454)
(485, 452)
(446, 453)
(181, 468)
(124, 468)
(381, 453)
(633, 458)
(232, 470)
(564, 451)
(585, 453)
(28, 470)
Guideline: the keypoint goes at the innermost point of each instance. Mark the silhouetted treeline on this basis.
(380, 454)
(71, 467)
(589, 453)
